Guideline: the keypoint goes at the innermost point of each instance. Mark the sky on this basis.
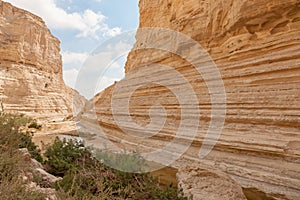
(86, 28)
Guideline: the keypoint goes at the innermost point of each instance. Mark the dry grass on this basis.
(12, 165)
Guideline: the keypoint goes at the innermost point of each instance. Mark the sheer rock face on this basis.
(31, 67)
(256, 47)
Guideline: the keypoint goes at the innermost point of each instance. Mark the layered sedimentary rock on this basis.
(255, 46)
(31, 67)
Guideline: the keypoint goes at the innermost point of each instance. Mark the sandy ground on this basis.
(50, 131)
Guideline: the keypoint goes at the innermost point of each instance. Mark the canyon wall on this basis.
(255, 46)
(31, 67)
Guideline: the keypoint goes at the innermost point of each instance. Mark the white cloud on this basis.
(113, 32)
(107, 57)
(70, 77)
(74, 58)
(98, 69)
(88, 23)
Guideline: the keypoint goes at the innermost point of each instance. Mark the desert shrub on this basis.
(16, 190)
(84, 177)
(11, 159)
(127, 162)
(11, 185)
(35, 125)
(12, 138)
(26, 142)
(20, 119)
(63, 156)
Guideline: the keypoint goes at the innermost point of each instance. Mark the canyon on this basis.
(212, 88)
(255, 47)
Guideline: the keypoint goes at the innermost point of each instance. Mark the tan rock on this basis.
(202, 184)
(31, 68)
(255, 45)
(34, 169)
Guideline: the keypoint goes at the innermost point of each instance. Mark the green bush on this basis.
(64, 156)
(35, 125)
(127, 162)
(26, 142)
(11, 159)
(12, 138)
(84, 177)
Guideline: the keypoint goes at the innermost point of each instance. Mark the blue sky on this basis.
(83, 26)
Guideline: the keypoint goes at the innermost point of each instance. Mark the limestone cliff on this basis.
(31, 67)
(256, 47)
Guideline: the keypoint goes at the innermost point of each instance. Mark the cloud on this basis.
(113, 32)
(70, 77)
(103, 66)
(98, 70)
(102, 59)
(74, 58)
(88, 23)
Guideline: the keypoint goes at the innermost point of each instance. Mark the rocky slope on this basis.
(255, 46)
(31, 67)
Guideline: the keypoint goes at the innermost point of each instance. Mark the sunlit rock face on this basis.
(255, 47)
(31, 67)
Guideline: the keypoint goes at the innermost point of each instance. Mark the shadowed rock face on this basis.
(31, 67)
(255, 46)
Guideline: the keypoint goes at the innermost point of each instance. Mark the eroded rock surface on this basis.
(31, 68)
(255, 46)
(202, 184)
(35, 170)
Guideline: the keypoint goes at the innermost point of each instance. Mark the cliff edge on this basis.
(31, 68)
